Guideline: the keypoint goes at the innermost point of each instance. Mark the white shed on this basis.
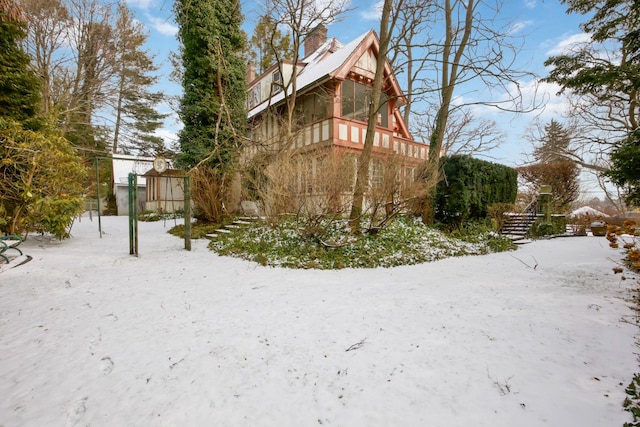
(123, 165)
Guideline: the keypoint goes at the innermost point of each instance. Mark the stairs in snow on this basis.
(228, 229)
(517, 225)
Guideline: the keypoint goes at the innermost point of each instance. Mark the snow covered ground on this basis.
(90, 335)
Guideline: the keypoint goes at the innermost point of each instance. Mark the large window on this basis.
(311, 108)
(356, 98)
(376, 173)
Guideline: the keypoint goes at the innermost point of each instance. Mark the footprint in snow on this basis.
(106, 365)
(76, 412)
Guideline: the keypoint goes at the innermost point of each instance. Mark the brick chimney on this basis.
(316, 38)
(251, 72)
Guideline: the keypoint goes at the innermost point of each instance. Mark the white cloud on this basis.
(554, 105)
(568, 43)
(169, 136)
(374, 12)
(163, 25)
(530, 4)
(542, 95)
(140, 4)
(518, 26)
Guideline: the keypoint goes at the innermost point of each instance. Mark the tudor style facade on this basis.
(333, 86)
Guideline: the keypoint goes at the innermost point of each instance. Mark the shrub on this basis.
(404, 241)
(541, 228)
(469, 186)
(41, 179)
(497, 213)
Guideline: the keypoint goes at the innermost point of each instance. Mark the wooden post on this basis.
(545, 202)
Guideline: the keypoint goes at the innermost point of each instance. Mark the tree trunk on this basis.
(362, 175)
(430, 174)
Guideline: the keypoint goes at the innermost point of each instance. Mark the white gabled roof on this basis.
(124, 164)
(317, 66)
(588, 210)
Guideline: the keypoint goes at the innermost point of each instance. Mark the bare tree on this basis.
(88, 55)
(72, 46)
(362, 175)
(300, 18)
(94, 62)
(407, 48)
(463, 43)
(48, 33)
(465, 133)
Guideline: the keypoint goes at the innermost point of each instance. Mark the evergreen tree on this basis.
(40, 173)
(554, 143)
(608, 82)
(625, 169)
(214, 82)
(268, 45)
(136, 117)
(552, 167)
(19, 86)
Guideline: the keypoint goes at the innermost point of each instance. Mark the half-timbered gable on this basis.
(333, 88)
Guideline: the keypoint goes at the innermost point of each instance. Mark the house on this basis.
(164, 190)
(122, 166)
(158, 190)
(333, 86)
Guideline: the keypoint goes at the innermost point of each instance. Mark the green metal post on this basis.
(187, 213)
(98, 196)
(131, 226)
(135, 211)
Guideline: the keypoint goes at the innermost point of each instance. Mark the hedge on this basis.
(468, 187)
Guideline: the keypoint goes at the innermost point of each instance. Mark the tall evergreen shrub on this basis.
(469, 186)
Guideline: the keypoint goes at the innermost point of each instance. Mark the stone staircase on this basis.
(517, 225)
(228, 229)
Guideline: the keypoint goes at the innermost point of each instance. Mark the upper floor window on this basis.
(311, 107)
(276, 81)
(255, 96)
(356, 99)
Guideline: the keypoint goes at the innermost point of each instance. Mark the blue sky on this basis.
(544, 26)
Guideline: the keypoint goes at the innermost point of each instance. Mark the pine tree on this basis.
(554, 143)
(19, 86)
(214, 82)
(267, 45)
(41, 175)
(625, 168)
(605, 75)
(553, 167)
(136, 116)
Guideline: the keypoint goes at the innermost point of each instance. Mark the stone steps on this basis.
(243, 221)
(517, 225)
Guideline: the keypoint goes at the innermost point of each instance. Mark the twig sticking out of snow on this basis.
(504, 387)
(357, 345)
(534, 259)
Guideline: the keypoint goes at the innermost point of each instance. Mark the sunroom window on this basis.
(356, 98)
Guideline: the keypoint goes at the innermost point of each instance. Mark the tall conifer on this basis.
(214, 82)
(135, 104)
(19, 86)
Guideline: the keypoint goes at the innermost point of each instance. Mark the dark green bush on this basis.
(541, 228)
(469, 186)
